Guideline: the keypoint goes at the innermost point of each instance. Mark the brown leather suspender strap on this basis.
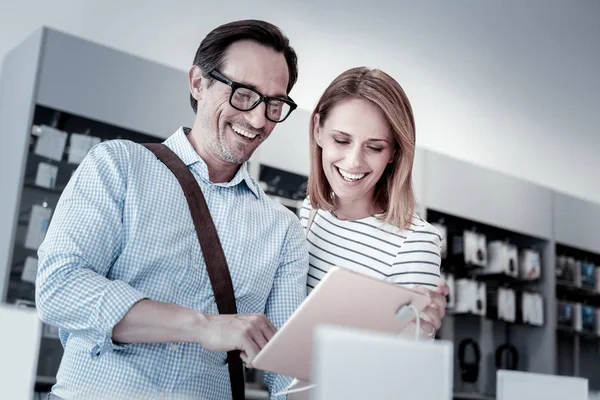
(216, 264)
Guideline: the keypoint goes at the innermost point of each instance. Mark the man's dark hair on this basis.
(211, 53)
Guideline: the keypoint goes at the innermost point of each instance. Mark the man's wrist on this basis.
(192, 326)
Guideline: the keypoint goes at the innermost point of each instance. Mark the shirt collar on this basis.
(180, 145)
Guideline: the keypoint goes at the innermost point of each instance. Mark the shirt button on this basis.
(174, 346)
(95, 353)
(162, 394)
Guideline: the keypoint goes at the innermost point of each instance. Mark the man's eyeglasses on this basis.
(245, 98)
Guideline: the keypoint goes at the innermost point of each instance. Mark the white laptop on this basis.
(20, 332)
(352, 364)
(518, 385)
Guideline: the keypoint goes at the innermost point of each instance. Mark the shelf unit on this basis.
(108, 89)
(74, 86)
(552, 222)
(284, 187)
(489, 331)
(576, 222)
(502, 208)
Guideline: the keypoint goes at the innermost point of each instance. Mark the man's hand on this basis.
(246, 332)
(153, 322)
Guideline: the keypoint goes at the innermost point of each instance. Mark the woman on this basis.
(362, 143)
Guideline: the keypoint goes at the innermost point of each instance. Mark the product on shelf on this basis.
(588, 275)
(530, 264)
(507, 307)
(451, 298)
(501, 304)
(588, 318)
(502, 258)
(469, 365)
(507, 357)
(444, 233)
(471, 247)
(532, 308)
(565, 314)
(470, 297)
(565, 269)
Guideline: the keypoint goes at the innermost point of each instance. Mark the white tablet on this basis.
(343, 298)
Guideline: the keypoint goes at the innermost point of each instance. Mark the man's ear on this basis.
(196, 81)
(317, 130)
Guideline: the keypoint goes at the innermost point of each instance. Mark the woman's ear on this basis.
(317, 130)
(196, 79)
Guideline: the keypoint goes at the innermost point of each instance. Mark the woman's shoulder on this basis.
(306, 202)
(305, 211)
(418, 227)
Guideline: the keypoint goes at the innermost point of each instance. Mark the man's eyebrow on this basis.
(279, 96)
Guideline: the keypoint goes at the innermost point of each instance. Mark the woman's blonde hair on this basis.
(394, 192)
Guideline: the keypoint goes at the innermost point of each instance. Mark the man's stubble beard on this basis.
(221, 150)
(218, 145)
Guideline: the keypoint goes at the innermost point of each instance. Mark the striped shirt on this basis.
(408, 257)
(122, 232)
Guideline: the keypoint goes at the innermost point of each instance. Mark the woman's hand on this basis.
(431, 317)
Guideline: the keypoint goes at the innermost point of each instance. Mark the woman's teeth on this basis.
(243, 133)
(350, 177)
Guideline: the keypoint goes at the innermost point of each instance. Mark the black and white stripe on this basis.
(408, 257)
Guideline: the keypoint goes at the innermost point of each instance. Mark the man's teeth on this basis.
(242, 132)
(350, 177)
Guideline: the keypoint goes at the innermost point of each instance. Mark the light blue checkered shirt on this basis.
(122, 232)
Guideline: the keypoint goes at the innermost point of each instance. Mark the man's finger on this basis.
(245, 360)
(267, 332)
(261, 319)
(270, 326)
(259, 338)
(249, 347)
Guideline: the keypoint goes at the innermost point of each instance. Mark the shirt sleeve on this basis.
(84, 239)
(288, 292)
(304, 213)
(418, 261)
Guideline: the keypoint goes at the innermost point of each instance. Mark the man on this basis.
(121, 272)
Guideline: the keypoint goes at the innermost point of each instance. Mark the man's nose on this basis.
(256, 117)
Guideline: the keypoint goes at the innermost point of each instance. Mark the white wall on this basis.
(512, 85)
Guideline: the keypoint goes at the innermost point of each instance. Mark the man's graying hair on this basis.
(211, 53)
